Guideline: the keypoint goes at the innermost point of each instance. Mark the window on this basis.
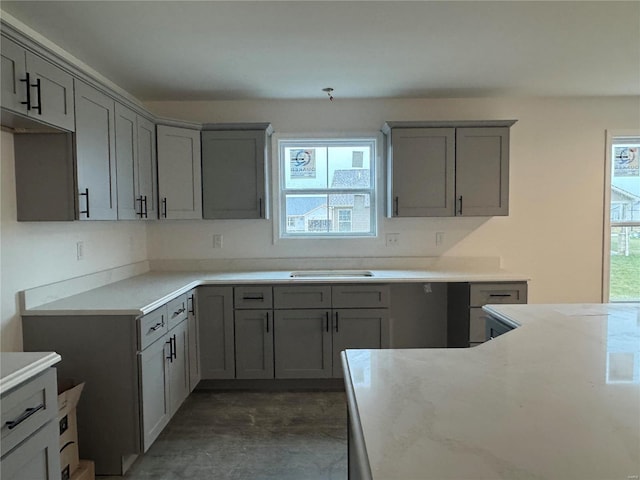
(327, 187)
(622, 225)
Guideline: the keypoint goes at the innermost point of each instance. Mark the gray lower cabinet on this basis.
(216, 337)
(136, 371)
(234, 162)
(195, 373)
(466, 322)
(254, 343)
(135, 139)
(30, 447)
(35, 88)
(448, 168)
(358, 328)
(179, 173)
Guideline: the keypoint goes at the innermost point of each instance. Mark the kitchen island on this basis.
(557, 397)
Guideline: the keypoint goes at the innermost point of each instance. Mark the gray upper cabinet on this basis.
(448, 168)
(421, 173)
(136, 165)
(35, 88)
(234, 171)
(95, 154)
(179, 173)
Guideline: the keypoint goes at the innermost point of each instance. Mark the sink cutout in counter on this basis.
(331, 273)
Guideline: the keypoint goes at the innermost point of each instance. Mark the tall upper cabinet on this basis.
(136, 165)
(446, 169)
(234, 162)
(35, 88)
(179, 173)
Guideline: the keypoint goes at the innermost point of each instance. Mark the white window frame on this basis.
(606, 230)
(279, 217)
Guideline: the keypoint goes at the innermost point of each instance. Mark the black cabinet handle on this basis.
(260, 215)
(396, 206)
(499, 294)
(11, 424)
(170, 357)
(337, 330)
(175, 347)
(85, 194)
(460, 200)
(178, 312)
(39, 106)
(27, 80)
(141, 213)
(267, 322)
(156, 327)
(253, 297)
(146, 211)
(164, 207)
(192, 308)
(326, 321)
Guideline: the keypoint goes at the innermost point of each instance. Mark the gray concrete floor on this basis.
(251, 435)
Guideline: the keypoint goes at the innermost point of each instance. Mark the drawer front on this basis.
(360, 296)
(483, 293)
(477, 325)
(152, 326)
(38, 458)
(28, 407)
(259, 296)
(177, 310)
(302, 296)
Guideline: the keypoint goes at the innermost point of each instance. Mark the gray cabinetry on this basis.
(358, 328)
(136, 165)
(35, 88)
(30, 442)
(254, 343)
(448, 168)
(194, 339)
(466, 324)
(234, 170)
(179, 173)
(216, 332)
(95, 154)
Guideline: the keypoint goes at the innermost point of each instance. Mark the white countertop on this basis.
(556, 398)
(18, 367)
(143, 293)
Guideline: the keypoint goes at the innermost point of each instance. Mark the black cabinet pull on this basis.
(267, 322)
(253, 297)
(326, 321)
(164, 207)
(27, 80)
(192, 308)
(460, 199)
(11, 424)
(141, 213)
(170, 357)
(396, 206)
(260, 215)
(175, 347)
(39, 106)
(146, 211)
(85, 194)
(156, 327)
(499, 294)
(337, 330)
(179, 311)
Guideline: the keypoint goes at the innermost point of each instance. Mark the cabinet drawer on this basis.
(177, 310)
(259, 296)
(483, 293)
(360, 296)
(27, 407)
(152, 326)
(302, 296)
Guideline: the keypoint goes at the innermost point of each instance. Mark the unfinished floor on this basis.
(251, 435)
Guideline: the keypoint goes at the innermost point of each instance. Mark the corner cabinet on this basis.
(179, 173)
(35, 88)
(234, 162)
(446, 169)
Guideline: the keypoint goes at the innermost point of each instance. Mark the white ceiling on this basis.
(183, 50)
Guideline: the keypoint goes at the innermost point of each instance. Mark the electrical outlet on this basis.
(79, 250)
(392, 239)
(217, 241)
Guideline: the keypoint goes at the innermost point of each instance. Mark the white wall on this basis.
(553, 233)
(34, 254)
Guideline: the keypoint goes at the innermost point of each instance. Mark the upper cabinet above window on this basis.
(446, 169)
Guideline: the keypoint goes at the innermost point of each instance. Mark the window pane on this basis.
(625, 264)
(349, 167)
(305, 167)
(307, 213)
(351, 211)
(625, 183)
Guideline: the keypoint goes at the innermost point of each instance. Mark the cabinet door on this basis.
(179, 178)
(38, 458)
(216, 332)
(13, 71)
(482, 171)
(233, 174)
(52, 97)
(129, 204)
(95, 154)
(302, 344)
(194, 340)
(178, 366)
(154, 373)
(356, 328)
(146, 171)
(254, 343)
(422, 172)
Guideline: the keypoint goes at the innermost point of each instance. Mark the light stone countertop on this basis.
(556, 398)
(142, 294)
(18, 367)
